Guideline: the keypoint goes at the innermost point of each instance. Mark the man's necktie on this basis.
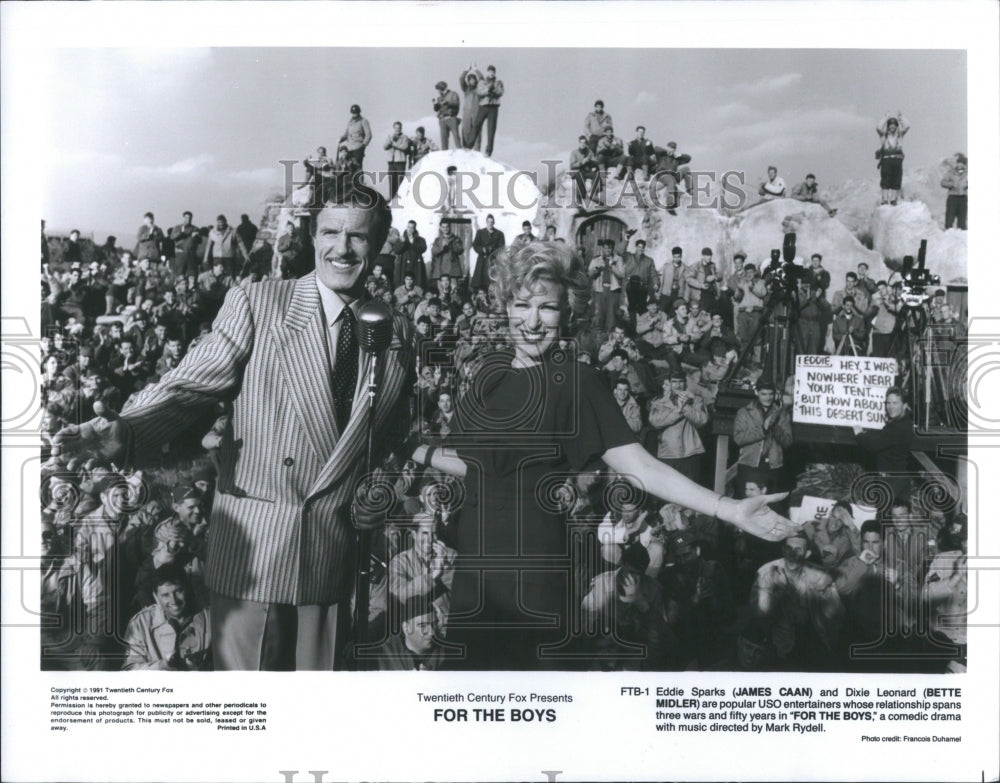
(345, 369)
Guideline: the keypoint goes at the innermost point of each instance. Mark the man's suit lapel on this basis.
(350, 449)
(302, 350)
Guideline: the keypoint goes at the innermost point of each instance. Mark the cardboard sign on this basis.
(819, 508)
(842, 391)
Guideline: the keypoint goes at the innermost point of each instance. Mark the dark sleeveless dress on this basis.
(523, 432)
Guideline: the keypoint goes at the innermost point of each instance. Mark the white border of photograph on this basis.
(372, 726)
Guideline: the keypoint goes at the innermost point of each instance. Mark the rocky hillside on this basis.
(861, 230)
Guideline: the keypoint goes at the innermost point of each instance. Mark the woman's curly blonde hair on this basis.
(525, 267)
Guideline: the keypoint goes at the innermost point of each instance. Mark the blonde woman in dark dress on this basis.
(531, 418)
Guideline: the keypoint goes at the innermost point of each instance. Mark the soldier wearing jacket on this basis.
(490, 91)
(446, 255)
(398, 145)
(763, 430)
(749, 297)
(678, 414)
(641, 154)
(357, 136)
(446, 104)
(673, 281)
(595, 123)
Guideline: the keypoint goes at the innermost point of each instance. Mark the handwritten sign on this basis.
(814, 508)
(842, 391)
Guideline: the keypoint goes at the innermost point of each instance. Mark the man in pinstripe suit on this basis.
(281, 550)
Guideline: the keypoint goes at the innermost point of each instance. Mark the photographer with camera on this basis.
(446, 104)
(749, 295)
(813, 316)
(850, 332)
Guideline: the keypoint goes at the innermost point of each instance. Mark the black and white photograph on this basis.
(544, 365)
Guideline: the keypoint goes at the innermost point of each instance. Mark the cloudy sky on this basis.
(131, 130)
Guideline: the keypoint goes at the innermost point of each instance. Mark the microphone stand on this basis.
(362, 586)
(374, 336)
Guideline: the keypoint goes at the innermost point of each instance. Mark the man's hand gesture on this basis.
(755, 517)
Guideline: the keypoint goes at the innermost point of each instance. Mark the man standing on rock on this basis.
(446, 104)
(490, 92)
(420, 145)
(148, 240)
(357, 136)
(186, 241)
(957, 182)
(398, 145)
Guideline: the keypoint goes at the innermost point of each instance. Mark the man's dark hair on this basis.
(817, 255)
(187, 213)
(420, 129)
(617, 353)
(357, 194)
(870, 526)
(171, 574)
(851, 276)
(599, 102)
(147, 215)
(676, 251)
(635, 559)
(222, 218)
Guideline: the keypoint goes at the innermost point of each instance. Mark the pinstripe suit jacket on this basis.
(280, 531)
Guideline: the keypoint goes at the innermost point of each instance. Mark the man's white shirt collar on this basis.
(333, 305)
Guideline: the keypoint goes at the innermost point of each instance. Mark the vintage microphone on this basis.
(374, 331)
